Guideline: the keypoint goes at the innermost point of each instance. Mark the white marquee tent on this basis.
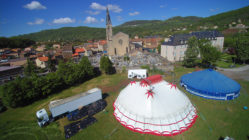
(154, 106)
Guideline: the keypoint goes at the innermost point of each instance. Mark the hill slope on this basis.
(145, 27)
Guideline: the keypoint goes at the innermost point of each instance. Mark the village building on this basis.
(56, 46)
(151, 42)
(119, 43)
(174, 49)
(41, 48)
(18, 62)
(8, 73)
(102, 45)
(78, 52)
(67, 51)
(41, 62)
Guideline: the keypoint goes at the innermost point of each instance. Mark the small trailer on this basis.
(139, 73)
(67, 105)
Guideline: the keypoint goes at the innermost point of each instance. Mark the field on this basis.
(216, 118)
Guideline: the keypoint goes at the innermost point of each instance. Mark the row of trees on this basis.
(15, 42)
(24, 91)
(208, 54)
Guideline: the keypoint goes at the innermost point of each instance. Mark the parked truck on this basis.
(67, 105)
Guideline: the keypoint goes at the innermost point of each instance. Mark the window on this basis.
(126, 49)
(115, 51)
(120, 41)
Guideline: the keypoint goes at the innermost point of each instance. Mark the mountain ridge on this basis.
(142, 28)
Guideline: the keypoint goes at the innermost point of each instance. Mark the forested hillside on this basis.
(142, 28)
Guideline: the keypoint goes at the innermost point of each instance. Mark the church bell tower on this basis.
(108, 27)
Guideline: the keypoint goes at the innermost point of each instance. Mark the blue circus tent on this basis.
(210, 84)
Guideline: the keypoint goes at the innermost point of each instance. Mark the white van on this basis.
(139, 73)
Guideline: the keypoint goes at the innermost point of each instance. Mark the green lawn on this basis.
(223, 64)
(216, 118)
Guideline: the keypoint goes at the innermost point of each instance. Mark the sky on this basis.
(26, 16)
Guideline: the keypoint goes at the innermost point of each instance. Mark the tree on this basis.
(13, 94)
(51, 64)
(159, 49)
(242, 49)
(159, 46)
(192, 52)
(84, 69)
(66, 71)
(30, 68)
(209, 54)
(106, 65)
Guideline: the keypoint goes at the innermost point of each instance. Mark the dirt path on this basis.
(241, 73)
(115, 88)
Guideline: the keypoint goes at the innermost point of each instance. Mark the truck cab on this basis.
(42, 117)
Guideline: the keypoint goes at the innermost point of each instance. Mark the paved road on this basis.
(241, 73)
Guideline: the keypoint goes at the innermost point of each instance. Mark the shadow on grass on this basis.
(105, 95)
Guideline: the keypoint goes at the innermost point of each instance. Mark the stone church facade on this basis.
(117, 44)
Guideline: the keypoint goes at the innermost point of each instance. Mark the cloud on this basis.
(36, 22)
(119, 18)
(97, 6)
(102, 20)
(214, 10)
(111, 7)
(114, 8)
(134, 13)
(65, 20)
(93, 12)
(90, 20)
(162, 6)
(35, 5)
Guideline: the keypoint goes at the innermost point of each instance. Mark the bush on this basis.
(106, 65)
(2, 107)
(147, 67)
(123, 69)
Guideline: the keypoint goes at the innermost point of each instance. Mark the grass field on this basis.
(216, 118)
(223, 64)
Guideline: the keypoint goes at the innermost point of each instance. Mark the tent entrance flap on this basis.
(230, 96)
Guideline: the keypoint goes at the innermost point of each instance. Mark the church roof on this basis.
(108, 19)
(120, 33)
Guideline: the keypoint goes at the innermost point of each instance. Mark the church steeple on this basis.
(108, 26)
(108, 19)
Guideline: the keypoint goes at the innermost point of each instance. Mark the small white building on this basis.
(174, 49)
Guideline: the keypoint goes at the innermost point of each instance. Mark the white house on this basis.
(41, 62)
(174, 49)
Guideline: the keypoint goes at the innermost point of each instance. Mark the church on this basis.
(118, 44)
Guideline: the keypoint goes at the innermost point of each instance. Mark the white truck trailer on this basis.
(60, 107)
(139, 73)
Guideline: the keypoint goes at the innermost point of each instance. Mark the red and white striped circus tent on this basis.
(154, 106)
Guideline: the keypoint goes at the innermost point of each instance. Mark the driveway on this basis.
(241, 73)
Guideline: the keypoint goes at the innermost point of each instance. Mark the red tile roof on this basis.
(75, 54)
(44, 59)
(102, 42)
(79, 50)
